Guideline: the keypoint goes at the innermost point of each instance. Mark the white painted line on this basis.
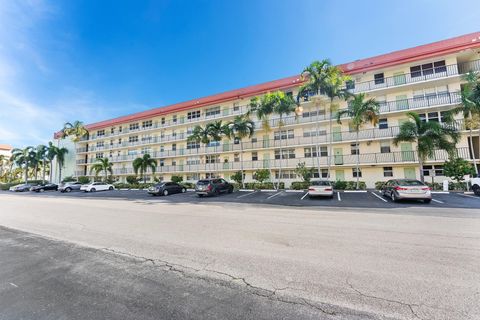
(376, 195)
(466, 195)
(13, 284)
(439, 192)
(246, 190)
(295, 191)
(274, 195)
(306, 194)
(338, 196)
(355, 191)
(268, 190)
(468, 192)
(244, 195)
(438, 201)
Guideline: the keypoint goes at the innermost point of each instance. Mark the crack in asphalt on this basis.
(255, 290)
(409, 305)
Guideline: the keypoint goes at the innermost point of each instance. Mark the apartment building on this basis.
(426, 79)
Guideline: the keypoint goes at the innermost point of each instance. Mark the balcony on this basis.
(337, 161)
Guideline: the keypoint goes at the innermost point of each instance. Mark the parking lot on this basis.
(342, 199)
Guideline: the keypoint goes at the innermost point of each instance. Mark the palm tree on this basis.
(314, 77)
(60, 154)
(102, 164)
(200, 135)
(142, 164)
(23, 157)
(76, 131)
(239, 128)
(429, 136)
(360, 111)
(333, 87)
(51, 152)
(216, 130)
(470, 108)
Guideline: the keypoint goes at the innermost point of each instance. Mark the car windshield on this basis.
(161, 184)
(320, 183)
(203, 182)
(410, 183)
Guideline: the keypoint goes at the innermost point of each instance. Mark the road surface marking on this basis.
(376, 195)
(466, 195)
(13, 284)
(338, 196)
(274, 195)
(244, 195)
(437, 201)
(306, 194)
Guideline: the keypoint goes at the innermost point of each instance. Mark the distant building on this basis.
(6, 150)
(426, 79)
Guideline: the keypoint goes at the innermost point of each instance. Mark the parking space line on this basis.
(306, 194)
(438, 201)
(338, 196)
(244, 195)
(466, 195)
(274, 195)
(376, 195)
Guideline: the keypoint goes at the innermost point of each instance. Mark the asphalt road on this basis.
(414, 262)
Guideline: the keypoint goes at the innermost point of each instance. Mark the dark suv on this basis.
(209, 187)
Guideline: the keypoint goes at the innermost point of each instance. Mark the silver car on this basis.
(70, 186)
(320, 188)
(398, 189)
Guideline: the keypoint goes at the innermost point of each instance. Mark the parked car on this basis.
(209, 187)
(320, 188)
(96, 186)
(21, 187)
(475, 183)
(70, 186)
(166, 188)
(398, 189)
(44, 187)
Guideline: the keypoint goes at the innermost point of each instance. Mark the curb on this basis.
(468, 192)
(246, 190)
(302, 191)
(355, 191)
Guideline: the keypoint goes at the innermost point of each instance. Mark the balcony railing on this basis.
(448, 98)
(405, 157)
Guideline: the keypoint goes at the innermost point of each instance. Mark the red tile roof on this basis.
(6, 147)
(439, 48)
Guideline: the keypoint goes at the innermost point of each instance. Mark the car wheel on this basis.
(41, 190)
(68, 190)
(230, 190)
(216, 192)
(165, 192)
(394, 197)
(200, 195)
(476, 190)
(184, 190)
(110, 188)
(93, 190)
(427, 200)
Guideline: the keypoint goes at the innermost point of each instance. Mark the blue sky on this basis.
(92, 60)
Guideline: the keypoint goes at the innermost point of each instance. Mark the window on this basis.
(435, 171)
(283, 135)
(161, 162)
(379, 78)
(236, 107)
(350, 84)
(210, 112)
(385, 147)
(254, 156)
(174, 147)
(193, 161)
(356, 173)
(193, 145)
(119, 140)
(146, 150)
(428, 69)
(323, 152)
(111, 142)
(146, 138)
(174, 118)
(112, 130)
(324, 173)
(443, 115)
(132, 152)
(285, 153)
(312, 114)
(174, 163)
(286, 174)
(433, 116)
(423, 117)
(193, 115)
(99, 155)
(147, 124)
(387, 171)
(236, 140)
(383, 123)
(193, 176)
(100, 133)
(310, 152)
(100, 144)
(134, 126)
(162, 121)
(120, 129)
(236, 157)
(133, 139)
(212, 158)
(213, 144)
(354, 148)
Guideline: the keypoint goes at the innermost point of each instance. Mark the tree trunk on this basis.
(51, 171)
(358, 161)
(281, 155)
(330, 138)
(420, 162)
(44, 169)
(317, 146)
(36, 171)
(241, 163)
(59, 173)
(472, 150)
(26, 172)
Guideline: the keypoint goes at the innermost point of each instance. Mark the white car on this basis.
(96, 186)
(320, 188)
(475, 183)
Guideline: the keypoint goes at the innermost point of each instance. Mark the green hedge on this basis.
(299, 185)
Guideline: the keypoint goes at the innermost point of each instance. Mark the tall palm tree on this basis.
(239, 128)
(470, 108)
(314, 77)
(76, 131)
(200, 135)
(360, 111)
(23, 158)
(50, 155)
(60, 154)
(102, 164)
(429, 136)
(216, 131)
(142, 164)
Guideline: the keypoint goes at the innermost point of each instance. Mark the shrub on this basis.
(177, 179)
(83, 180)
(379, 185)
(304, 172)
(188, 185)
(132, 179)
(434, 186)
(457, 186)
(457, 168)
(300, 185)
(261, 175)
(68, 179)
(340, 185)
(237, 177)
(349, 185)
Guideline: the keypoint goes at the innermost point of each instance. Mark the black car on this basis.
(209, 187)
(166, 188)
(45, 187)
